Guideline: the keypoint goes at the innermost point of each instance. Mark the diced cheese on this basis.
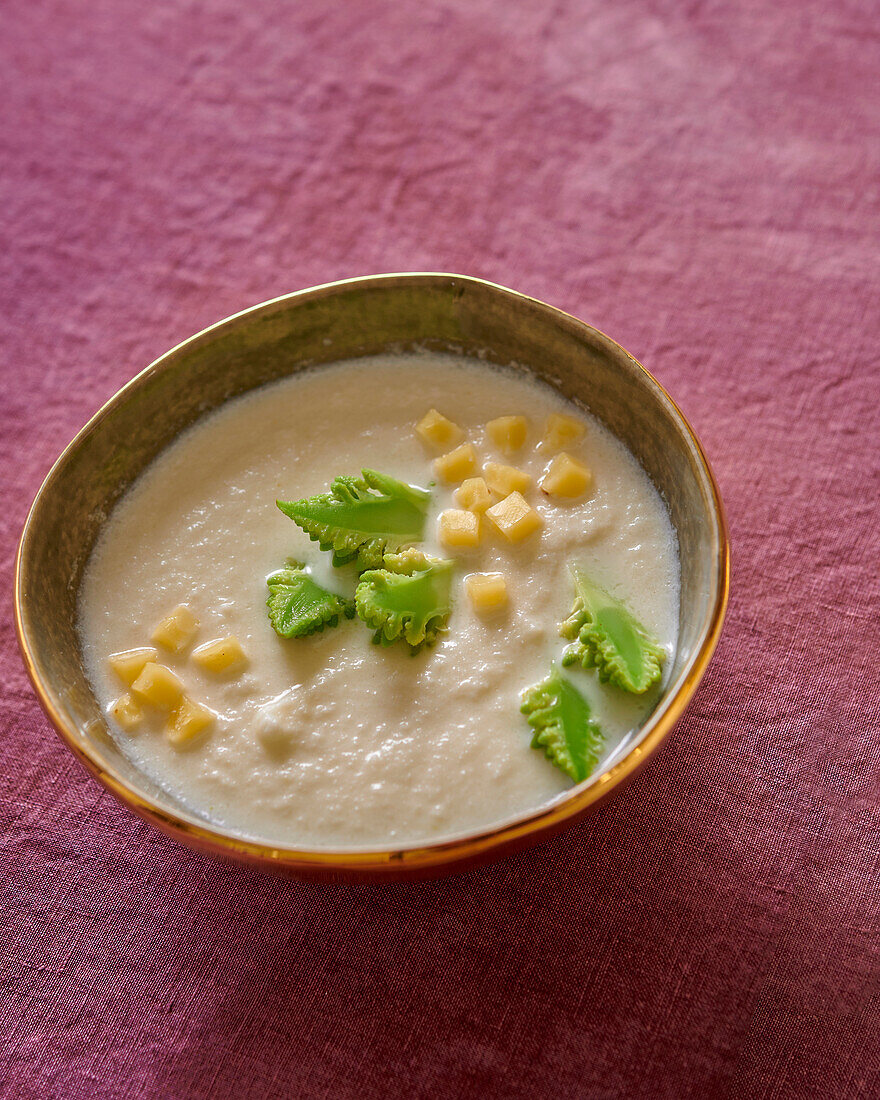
(129, 664)
(158, 685)
(127, 713)
(277, 741)
(566, 477)
(486, 591)
(458, 464)
(514, 517)
(506, 479)
(473, 494)
(561, 431)
(459, 529)
(508, 433)
(176, 630)
(187, 722)
(221, 655)
(437, 431)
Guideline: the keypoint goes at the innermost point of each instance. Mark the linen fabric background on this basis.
(701, 181)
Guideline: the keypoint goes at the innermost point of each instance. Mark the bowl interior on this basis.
(357, 317)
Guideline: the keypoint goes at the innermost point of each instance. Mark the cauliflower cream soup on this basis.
(513, 561)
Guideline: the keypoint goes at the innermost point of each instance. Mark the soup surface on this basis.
(329, 740)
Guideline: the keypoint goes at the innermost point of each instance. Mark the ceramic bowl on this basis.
(270, 341)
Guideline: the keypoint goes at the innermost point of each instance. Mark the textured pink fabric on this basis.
(699, 180)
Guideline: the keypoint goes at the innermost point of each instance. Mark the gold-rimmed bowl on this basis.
(336, 321)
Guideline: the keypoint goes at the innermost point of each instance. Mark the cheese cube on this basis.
(566, 477)
(277, 741)
(486, 591)
(437, 431)
(187, 722)
(221, 655)
(473, 494)
(506, 479)
(127, 713)
(561, 431)
(508, 433)
(176, 630)
(459, 530)
(514, 517)
(158, 685)
(129, 664)
(458, 464)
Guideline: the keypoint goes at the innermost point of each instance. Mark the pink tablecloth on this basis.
(699, 180)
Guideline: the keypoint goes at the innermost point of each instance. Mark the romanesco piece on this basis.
(608, 637)
(298, 606)
(564, 729)
(409, 599)
(362, 517)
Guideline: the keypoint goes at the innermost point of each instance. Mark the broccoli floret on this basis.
(362, 517)
(298, 606)
(560, 717)
(608, 637)
(408, 599)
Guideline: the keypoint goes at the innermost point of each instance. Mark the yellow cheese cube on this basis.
(459, 530)
(127, 713)
(129, 664)
(514, 517)
(158, 685)
(508, 433)
(437, 431)
(506, 479)
(176, 630)
(473, 494)
(458, 464)
(221, 655)
(486, 591)
(566, 477)
(561, 431)
(187, 722)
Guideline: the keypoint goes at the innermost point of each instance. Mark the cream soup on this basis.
(330, 740)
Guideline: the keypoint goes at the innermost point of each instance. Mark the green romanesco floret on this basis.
(298, 606)
(409, 599)
(362, 517)
(608, 637)
(563, 728)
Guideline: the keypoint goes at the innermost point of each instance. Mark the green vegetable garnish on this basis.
(298, 606)
(608, 637)
(560, 717)
(362, 518)
(408, 599)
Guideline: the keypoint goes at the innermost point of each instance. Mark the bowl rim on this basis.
(405, 860)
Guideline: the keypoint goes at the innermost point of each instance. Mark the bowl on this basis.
(339, 320)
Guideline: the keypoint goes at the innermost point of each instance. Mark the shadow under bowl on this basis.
(340, 320)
